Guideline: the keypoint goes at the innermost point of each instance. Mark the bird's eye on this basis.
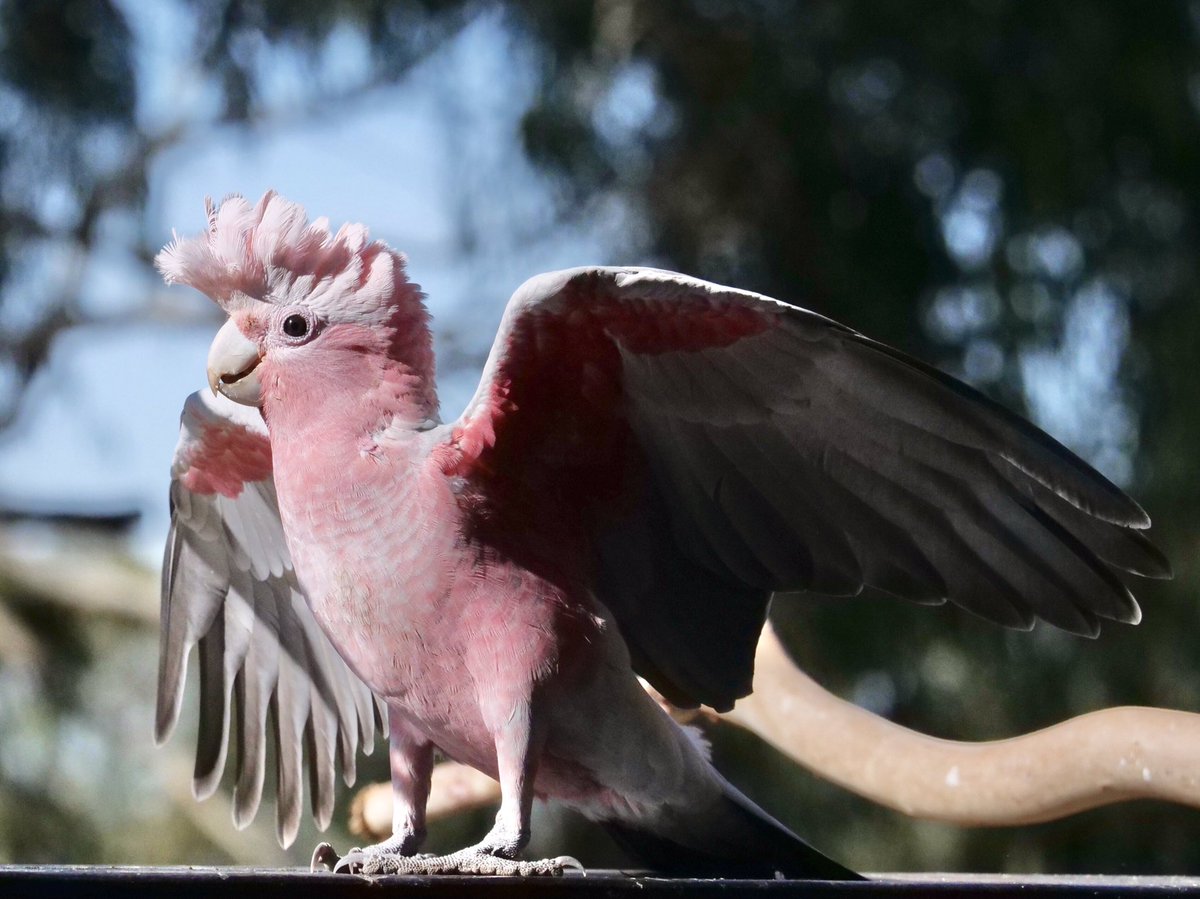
(295, 326)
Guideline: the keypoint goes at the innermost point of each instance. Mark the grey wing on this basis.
(810, 457)
(228, 589)
(776, 450)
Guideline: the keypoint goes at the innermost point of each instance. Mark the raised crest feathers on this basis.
(270, 252)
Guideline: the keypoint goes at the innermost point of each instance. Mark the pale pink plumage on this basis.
(647, 459)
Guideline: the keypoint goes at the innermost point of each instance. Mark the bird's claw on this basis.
(465, 861)
(324, 858)
(351, 863)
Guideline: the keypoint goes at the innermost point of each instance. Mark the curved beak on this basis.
(233, 366)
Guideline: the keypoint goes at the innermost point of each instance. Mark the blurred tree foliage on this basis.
(1006, 188)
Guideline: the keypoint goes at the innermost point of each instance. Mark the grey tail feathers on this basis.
(736, 839)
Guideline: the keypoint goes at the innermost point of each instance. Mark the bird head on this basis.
(310, 312)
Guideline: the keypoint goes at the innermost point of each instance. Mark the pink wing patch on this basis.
(564, 360)
(219, 454)
(650, 328)
(225, 460)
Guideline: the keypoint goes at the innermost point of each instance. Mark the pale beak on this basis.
(233, 366)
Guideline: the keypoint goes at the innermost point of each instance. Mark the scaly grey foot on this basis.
(375, 860)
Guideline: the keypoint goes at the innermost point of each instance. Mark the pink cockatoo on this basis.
(648, 458)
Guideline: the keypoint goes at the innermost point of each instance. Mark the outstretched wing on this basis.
(709, 446)
(228, 587)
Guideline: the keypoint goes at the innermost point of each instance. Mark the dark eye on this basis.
(295, 326)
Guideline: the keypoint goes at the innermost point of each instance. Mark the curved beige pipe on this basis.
(1107, 756)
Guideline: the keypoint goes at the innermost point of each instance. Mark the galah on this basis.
(648, 459)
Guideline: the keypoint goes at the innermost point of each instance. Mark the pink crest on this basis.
(270, 252)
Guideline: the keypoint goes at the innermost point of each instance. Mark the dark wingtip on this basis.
(1135, 613)
(243, 811)
(164, 724)
(169, 702)
(1158, 566)
(1139, 519)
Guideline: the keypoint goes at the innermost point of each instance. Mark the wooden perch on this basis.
(1107, 756)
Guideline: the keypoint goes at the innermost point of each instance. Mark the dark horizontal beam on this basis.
(53, 881)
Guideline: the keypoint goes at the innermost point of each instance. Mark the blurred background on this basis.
(1006, 189)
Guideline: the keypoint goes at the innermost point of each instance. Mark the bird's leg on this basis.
(411, 759)
(516, 762)
(410, 755)
(518, 746)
